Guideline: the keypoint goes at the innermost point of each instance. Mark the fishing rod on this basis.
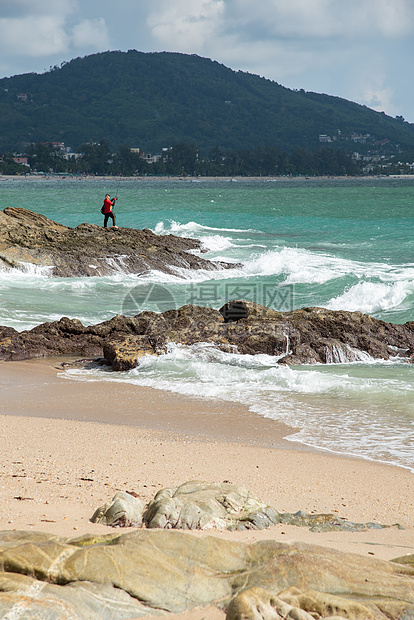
(117, 187)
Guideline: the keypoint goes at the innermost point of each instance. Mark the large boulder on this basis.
(90, 250)
(70, 337)
(303, 336)
(203, 505)
(153, 572)
(124, 510)
(126, 354)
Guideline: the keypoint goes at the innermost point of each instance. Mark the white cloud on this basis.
(323, 18)
(373, 85)
(186, 25)
(34, 28)
(392, 18)
(197, 23)
(42, 28)
(33, 36)
(379, 97)
(90, 33)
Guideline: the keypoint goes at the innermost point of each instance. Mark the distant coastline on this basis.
(62, 177)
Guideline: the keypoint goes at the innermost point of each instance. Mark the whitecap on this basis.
(298, 265)
(192, 228)
(216, 243)
(371, 297)
(302, 266)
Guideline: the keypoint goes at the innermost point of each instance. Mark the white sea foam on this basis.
(301, 266)
(355, 409)
(35, 270)
(26, 269)
(345, 354)
(216, 243)
(297, 264)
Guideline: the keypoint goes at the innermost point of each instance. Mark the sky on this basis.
(361, 50)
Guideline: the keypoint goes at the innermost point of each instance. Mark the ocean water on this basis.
(340, 243)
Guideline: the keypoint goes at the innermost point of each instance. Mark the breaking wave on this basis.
(371, 297)
(361, 409)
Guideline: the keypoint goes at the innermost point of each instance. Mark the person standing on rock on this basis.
(107, 210)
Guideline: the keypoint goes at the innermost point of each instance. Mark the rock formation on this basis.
(193, 505)
(90, 250)
(149, 573)
(219, 506)
(304, 336)
(125, 510)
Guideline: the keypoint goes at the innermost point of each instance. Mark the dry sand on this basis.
(68, 446)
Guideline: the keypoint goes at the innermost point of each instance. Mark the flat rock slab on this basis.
(154, 572)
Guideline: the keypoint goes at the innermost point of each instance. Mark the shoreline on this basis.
(57, 397)
(64, 454)
(63, 177)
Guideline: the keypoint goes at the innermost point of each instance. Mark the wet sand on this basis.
(68, 446)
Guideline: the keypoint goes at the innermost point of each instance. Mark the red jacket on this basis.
(108, 204)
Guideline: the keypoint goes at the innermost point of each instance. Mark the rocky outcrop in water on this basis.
(304, 336)
(89, 250)
(149, 573)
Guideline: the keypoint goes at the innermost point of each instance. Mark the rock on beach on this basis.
(148, 573)
(197, 505)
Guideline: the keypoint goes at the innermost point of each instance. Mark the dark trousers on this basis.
(107, 216)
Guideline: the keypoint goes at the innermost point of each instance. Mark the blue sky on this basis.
(361, 50)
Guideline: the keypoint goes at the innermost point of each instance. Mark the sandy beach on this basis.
(68, 446)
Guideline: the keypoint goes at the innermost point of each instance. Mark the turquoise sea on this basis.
(340, 243)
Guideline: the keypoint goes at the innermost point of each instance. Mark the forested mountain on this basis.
(155, 100)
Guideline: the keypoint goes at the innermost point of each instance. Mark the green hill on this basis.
(155, 100)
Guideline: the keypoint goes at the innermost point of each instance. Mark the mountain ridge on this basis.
(153, 100)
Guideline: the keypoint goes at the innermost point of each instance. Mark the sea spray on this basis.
(345, 354)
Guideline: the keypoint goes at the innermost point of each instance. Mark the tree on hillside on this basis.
(43, 157)
(129, 163)
(181, 159)
(96, 158)
(9, 166)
